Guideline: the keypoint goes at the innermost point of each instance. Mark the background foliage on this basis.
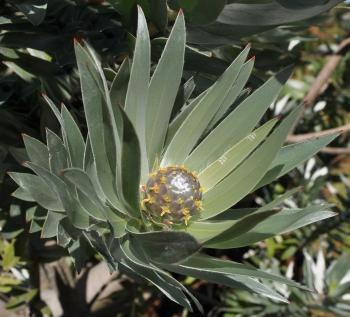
(36, 53)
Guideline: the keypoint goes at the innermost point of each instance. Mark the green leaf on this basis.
(284, 221)
(22, 194)
(34, 10)
(210, 264)
(242, 19)
(79, 251)
(9, 281)
(99, 243)
(117, 223)
(41, 192)
(130, 166)
(279, 200)
(124, 7)
(54, 109)
(292, 155)
(76, 214)
(184, 93)
(9, 258)
(74, 139)
(243, 180)
(136, 259)
(234, 281)
(16, 301)
(50, 228)
(119, 85)
(180, 118)
(66, 233)
(37, 216)
(337, 270)
(199, 12)
(239, 123)
(166, 247)
(234, 92)
(198, 119)
(206, 230)
(36, 226)
(226, 163)
(158, 12)
(57, 153)
(239, 228)
(94, 105)
(164, 282)
(84, 184)
(37, 151)
(163, 89)
(137, 95)
(36, 212)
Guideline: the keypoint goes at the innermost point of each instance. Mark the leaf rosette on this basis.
(150, 192)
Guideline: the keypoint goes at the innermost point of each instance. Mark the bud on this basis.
(172, 195)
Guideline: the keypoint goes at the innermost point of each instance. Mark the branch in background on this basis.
(312, 135)
(318, 88)
(325, 74)
(336, 150)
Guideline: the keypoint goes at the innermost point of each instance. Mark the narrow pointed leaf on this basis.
(285, 221)
(37, 151)
(74, 139)
(58, 156)
(180, 118)
(198, 119)
(94, 106)
(226, 163)
(39, 189)
(130, 165)
(50, 228)
(279, 200)
(234, 281)
(166, 247)
(206, 230)
(163, 88)
(240, 227)
(83, 182)
(137, 95)
(22, 194)
(234, 91)
(292, 155)
(119, 85)
(138, 263)
(66, 232)
(117, 223)
(243, 180)
(239, 123)
(54, 109)
(338, 269)
(100, 244)
(211, 264)
(76, 214)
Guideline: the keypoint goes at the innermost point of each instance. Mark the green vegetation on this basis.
(154, 164)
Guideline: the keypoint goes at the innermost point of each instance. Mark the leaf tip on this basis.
(25, 163)
(61, 173)
(139, 8)
(78, 40)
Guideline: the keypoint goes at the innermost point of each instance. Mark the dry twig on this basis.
(316, 89)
